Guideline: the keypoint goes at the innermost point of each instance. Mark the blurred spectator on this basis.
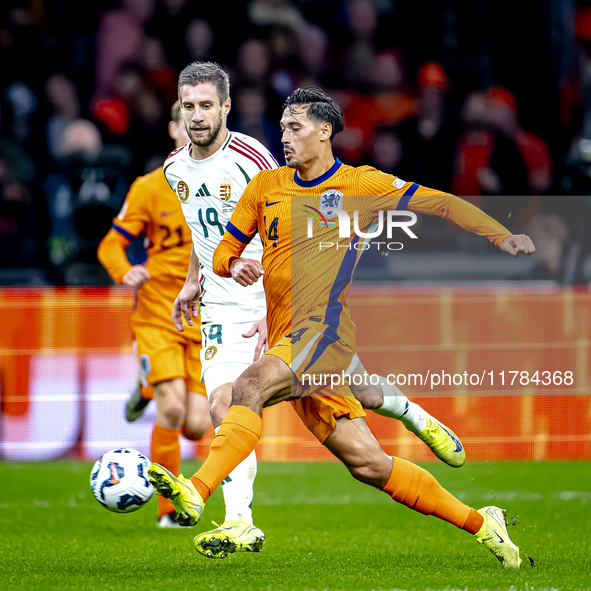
(391, 102)
(119, 38)
(199, 38)
(285, 60)
(114, 111)
(577, 164)
(313, 49)
(488, 164)
(433, 133)
(534, 150)
(390, 154)
(15, 158)
(253, 62)
(169, 24)
(551, 235)
(135, 115)
(159, 75)
(487, 161)
(23, 103)
(358, 50)
(264, 13)
(62, 97)
(20, 214)
(250, 104)
(388, 104)
(362, 23)
(83, 194)
(350, 144)
(253, 68)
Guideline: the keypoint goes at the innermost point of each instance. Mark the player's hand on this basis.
(186, 304)
(137, 275)
(246, 272)
(259, 326)
(518, 244)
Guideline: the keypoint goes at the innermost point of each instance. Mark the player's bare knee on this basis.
(371, 402)
(369, 395)
(173, 413)
(219, 409)
(195, 428)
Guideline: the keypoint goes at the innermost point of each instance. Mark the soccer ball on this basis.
(119, 480)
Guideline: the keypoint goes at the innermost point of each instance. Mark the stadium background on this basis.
(451, 94)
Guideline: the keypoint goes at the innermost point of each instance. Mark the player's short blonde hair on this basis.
(175, 112)
(200, 72)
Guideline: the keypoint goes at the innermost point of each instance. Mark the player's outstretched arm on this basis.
(518, 244)
(187, 302)
(461, 212)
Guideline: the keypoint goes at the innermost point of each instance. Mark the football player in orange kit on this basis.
(169, 360)
(310, 330)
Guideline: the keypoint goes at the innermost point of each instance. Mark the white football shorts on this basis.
(225, 353)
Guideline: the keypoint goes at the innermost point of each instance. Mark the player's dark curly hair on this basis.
(321, 107)
(200, 72)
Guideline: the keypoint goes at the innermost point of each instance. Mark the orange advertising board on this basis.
(508, 369)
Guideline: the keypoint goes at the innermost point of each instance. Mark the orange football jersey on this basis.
(297, 220)
(151, 207)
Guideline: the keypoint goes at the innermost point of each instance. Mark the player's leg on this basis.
(387, 400)
(353, 443)
(222, 363)
(238, 486)
(139, 399)
(267, 381)
(197, 416)
(171, 401)
(162, 365)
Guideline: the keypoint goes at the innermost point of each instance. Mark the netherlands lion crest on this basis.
(329, 201)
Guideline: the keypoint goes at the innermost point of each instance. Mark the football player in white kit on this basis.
(209, 175)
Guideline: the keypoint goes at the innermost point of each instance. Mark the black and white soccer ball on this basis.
(119, 480)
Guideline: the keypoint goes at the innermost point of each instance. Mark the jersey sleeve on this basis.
(134, 216)
(131, 221)
(385, 190)
(390, 192)
(111, 254)
(244, 220)
(462, 213)
(240, 230)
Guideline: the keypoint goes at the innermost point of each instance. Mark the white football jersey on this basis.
(209, 190)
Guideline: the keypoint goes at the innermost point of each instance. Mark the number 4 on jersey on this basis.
(296, 335)
(272, 235)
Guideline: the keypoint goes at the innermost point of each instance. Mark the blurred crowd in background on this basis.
(471, 97)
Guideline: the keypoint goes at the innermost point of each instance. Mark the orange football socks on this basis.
(237, 436)
(166, 451)
(417, 489)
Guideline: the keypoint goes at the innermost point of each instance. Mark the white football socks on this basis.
(398, 406)
(237, 489)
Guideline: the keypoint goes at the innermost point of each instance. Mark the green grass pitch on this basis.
(324, 531)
